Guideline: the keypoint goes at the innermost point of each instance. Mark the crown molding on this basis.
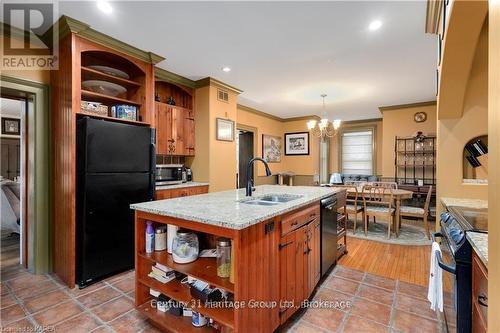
(210, 81)
(67, 25)
(270, 116)
(433, 14)
(362, 121)
(405, 106)
(164, 75)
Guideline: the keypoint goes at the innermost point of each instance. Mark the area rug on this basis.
(408, 234)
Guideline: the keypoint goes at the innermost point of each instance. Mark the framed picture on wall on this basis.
(225, 129)
(297, 143)
(11, 126)
(271, 148)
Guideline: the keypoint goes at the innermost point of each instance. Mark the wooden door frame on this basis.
(38, 178)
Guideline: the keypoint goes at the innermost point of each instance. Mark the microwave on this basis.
(170, 174)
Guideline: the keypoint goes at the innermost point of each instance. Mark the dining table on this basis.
(398, 195)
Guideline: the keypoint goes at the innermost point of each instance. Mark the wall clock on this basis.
(420, 117)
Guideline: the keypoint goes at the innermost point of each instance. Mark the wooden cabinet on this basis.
(299, 258)
(180, 192)
(174, 130)
(479, 295)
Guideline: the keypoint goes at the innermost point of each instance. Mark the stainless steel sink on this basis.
(260, 203)
(280, 197)
(271, 199)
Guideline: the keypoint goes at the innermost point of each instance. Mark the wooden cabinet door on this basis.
(163, 128)
(293, 267)
(189, 132)
(163, 194)
(178, 147)
(314, 256)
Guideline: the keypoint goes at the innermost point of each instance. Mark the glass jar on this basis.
(223, 257)
(185, 247)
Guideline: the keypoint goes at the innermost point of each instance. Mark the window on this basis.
(357, 152)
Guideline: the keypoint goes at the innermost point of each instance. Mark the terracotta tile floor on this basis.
(374, 304)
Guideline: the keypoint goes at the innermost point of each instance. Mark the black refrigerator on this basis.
(115, 168)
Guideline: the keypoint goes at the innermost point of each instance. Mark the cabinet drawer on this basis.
(298, 218)
(163, 194)
(480, 287)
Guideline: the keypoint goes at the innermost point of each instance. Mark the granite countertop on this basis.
(183, 185)
(479, 242)
(226, 208)
(468, 203)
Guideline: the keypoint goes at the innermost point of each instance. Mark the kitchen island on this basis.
(275, 252)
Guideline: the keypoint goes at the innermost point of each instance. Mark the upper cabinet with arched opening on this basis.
(475, 159)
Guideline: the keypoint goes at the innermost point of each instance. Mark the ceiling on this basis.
(284, 55)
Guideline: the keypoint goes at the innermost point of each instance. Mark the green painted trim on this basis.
(270, 116)
(210, 81)
(39, 208)
(164, 75)
(67, 25)
(405, 106)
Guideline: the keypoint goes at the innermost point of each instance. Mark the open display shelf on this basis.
(92, 74)
(118, 120)
(171, 323)
(204, 269)
(106, 99)
(179, 292)
(415, 160)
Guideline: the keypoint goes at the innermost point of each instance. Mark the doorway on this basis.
(13, 150)
(245, 152)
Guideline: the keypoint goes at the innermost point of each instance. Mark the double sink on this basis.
(271, 199)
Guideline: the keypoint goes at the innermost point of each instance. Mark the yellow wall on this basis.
(307, 165)
(32, 75)
(334, 145)
(453, 134)
(215, 161)
(264, 125)
(494, 165)
(304, 164)
(400, 122)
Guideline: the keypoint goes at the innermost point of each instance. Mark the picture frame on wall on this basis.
(271, 148)
(225, 129)
(11, 126)
(297, 144)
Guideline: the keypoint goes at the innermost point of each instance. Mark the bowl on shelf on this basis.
(110, 71)
(104, 87)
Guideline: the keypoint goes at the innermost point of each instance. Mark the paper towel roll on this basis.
(171, 233)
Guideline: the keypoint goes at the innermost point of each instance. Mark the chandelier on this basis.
(324, 128)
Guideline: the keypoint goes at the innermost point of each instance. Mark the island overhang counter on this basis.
(275, 252)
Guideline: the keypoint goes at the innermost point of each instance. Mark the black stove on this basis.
(454, 226)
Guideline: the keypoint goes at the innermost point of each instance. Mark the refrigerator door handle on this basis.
(152, 176)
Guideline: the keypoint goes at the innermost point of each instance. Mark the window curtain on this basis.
(357, 152)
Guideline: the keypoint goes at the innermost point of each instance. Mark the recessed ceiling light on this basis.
(105, 7)
(375, 25)
(226, 69)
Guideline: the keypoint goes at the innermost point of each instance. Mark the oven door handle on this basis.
(448, 268)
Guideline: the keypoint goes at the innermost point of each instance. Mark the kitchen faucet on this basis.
(250, 188)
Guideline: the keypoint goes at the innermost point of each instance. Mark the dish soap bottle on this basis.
(150, 237)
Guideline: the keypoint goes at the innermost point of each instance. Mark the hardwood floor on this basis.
(9, 251)
(406, 263)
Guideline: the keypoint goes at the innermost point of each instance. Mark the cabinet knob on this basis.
(482, 299)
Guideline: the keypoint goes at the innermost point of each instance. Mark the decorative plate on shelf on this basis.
(111, 71)
(104, 87)
(420, 117)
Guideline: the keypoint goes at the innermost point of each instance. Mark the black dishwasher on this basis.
(328, 233)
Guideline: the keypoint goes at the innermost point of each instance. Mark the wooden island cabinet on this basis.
(276, 261)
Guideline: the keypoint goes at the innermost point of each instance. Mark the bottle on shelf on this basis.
(150, 237)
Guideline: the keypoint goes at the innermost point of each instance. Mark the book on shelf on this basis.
(162, 278)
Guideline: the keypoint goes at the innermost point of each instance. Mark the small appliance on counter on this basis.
(170, 174)
(189, 174)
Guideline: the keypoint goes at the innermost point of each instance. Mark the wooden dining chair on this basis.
(421, 213)
(378, 202)
(353, 206)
